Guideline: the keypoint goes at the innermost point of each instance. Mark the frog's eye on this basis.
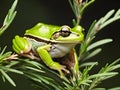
(65, 31)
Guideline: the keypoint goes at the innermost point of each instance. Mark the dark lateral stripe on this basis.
(38, 39)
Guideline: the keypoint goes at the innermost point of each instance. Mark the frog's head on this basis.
(69, 35)
(57, 34)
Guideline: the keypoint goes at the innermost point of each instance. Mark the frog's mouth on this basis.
(72, 38)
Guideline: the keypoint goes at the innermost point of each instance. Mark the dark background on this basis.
(58, 12)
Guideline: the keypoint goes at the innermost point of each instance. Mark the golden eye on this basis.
(65, 31)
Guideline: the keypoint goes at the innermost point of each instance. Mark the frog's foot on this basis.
(60, 68)
(21, 45)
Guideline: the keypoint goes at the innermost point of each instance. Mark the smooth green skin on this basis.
(44, 31)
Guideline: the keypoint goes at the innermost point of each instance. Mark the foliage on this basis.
(5, 67)
(9, 17)
(44, 78)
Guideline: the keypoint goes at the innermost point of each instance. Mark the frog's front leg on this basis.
(22, 46)
(45, 56)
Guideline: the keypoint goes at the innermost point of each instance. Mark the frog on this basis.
(46, 42)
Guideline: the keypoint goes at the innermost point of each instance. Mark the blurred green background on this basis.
(58, 12)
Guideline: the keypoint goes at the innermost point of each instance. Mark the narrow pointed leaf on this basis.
(7, 54)
(93, 53)
(3, 78)
(109, 21)
(11, 11)
(12, 70)
(87, 64)
(3, 50)
(98, 43)
(33, 63)
(117, 13)
(114, 67)
(33, 78)
(9, 17)
(108, 15)
(90, 31)
(115, 62)
(116, 88)
(7, 77)
(99, 89)
(34, 69)
(104, 75)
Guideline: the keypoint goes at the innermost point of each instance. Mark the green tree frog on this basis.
(48, 43)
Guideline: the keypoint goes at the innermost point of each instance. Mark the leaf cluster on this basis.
(44, 78)
(6, 67)
(95, 27)
(78, 7)
(9, 17)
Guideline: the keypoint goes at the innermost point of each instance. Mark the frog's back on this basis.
(42, 31)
